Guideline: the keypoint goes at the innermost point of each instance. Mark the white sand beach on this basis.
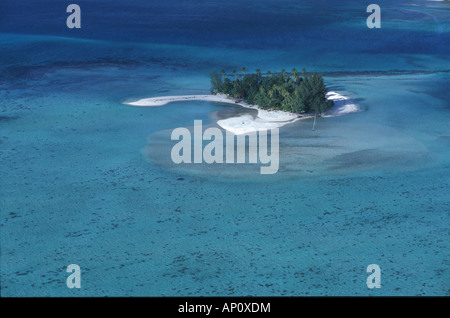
(342, 105)
(265, 119)
(163, 100)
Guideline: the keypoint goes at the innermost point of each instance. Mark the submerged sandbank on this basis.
(265, 119)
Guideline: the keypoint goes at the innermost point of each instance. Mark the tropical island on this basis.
(279, 99)
(286, 91)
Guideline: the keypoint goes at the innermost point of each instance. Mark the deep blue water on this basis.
(87, 180)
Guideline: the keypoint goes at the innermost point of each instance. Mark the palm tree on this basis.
(295, 73)
(243, 70)
(258, 72)
(304, 74)
(287, 98)
(223, 74)
(283, 73)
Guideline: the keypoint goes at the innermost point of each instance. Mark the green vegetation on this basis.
(291, 92)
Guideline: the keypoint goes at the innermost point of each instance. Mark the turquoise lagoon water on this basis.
(88, 180)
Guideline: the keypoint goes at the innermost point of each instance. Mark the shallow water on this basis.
(88, 180)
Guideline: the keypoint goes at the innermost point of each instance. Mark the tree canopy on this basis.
(287, 91)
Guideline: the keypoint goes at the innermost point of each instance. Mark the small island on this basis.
(285, 91)
(279, 99)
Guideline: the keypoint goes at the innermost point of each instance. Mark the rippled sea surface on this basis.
(87, 180)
